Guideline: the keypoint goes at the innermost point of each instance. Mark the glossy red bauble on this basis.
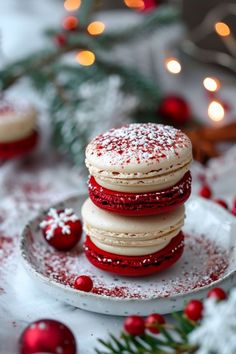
(205, 192)
(62, 229)
(221, 202)
(134, 325)
(83, 283)
(70, 23)
(47, 336)
(149, 5)
(194, 309)
(217, 293)
(175, 110)
(233, 211)
(152, 322)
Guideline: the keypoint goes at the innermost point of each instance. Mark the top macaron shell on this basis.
(153, 152)
(16, 123)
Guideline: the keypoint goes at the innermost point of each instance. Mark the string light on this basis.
(70, 23)
(72, 5)
(135, 4)
(85, 57)
(222, 29)
(211, 84)
(173, 65)
(95, 28)
(216, 111)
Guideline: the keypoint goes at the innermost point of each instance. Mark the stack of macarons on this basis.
(139, 181)
(18, 134)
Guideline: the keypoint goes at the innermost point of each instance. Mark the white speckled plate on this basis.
(209, 260)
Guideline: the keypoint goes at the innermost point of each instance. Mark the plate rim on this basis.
(51, 282)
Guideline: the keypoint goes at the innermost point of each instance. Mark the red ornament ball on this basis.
(194, 309)
(62, 229)
(149, 5)
(60, 39)
(134, 325)
(233, 211)
(234, 203)
(221, 202)
(70, 23)
(83, 283)
(205, 192)
(217, 293)
(152, 321)
(175, 110)
(47, 336)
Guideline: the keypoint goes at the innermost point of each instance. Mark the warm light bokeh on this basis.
(72, 5)
(135, 4)
(95, 28)
(211, 84)
(85, 57)
(216, 111)
(222, 29)
(173, 65)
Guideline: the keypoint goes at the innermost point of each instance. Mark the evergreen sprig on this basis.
(170, 339)
(58, 81)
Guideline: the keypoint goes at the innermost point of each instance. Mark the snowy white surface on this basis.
(27, 186)
(217, 331)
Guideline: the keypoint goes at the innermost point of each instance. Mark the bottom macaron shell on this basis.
(21, 147)
(150, 203)
(135, 265)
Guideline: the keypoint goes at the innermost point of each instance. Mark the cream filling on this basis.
(150, 184)
(130, 251)
(129, 239)
(15, 126)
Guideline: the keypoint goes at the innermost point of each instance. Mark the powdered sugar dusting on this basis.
(203, 262)
(140, 142)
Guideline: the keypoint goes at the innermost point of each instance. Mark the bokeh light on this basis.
(173, 65)
(95, 28)
(216, 111)
(135, 4)
(72, 5)
(211, 84)
(222, 29)
(85, 57)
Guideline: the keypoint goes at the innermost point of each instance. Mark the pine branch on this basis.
(172, 339)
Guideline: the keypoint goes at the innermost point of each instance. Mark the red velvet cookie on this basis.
(135, 265)
(132, 245)
(140, 169)
(18, 134)
(10, 150)
(148, 203)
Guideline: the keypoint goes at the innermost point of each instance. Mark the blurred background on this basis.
(90, 65)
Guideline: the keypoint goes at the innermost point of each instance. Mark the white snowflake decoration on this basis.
(58, 219)
(217, 332)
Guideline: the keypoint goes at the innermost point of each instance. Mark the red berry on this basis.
(83, 283)
(152, 321)
(221, 202)
(205, 192)
(60, 39)
(217, 293)
(193, 310)
(134, 325)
